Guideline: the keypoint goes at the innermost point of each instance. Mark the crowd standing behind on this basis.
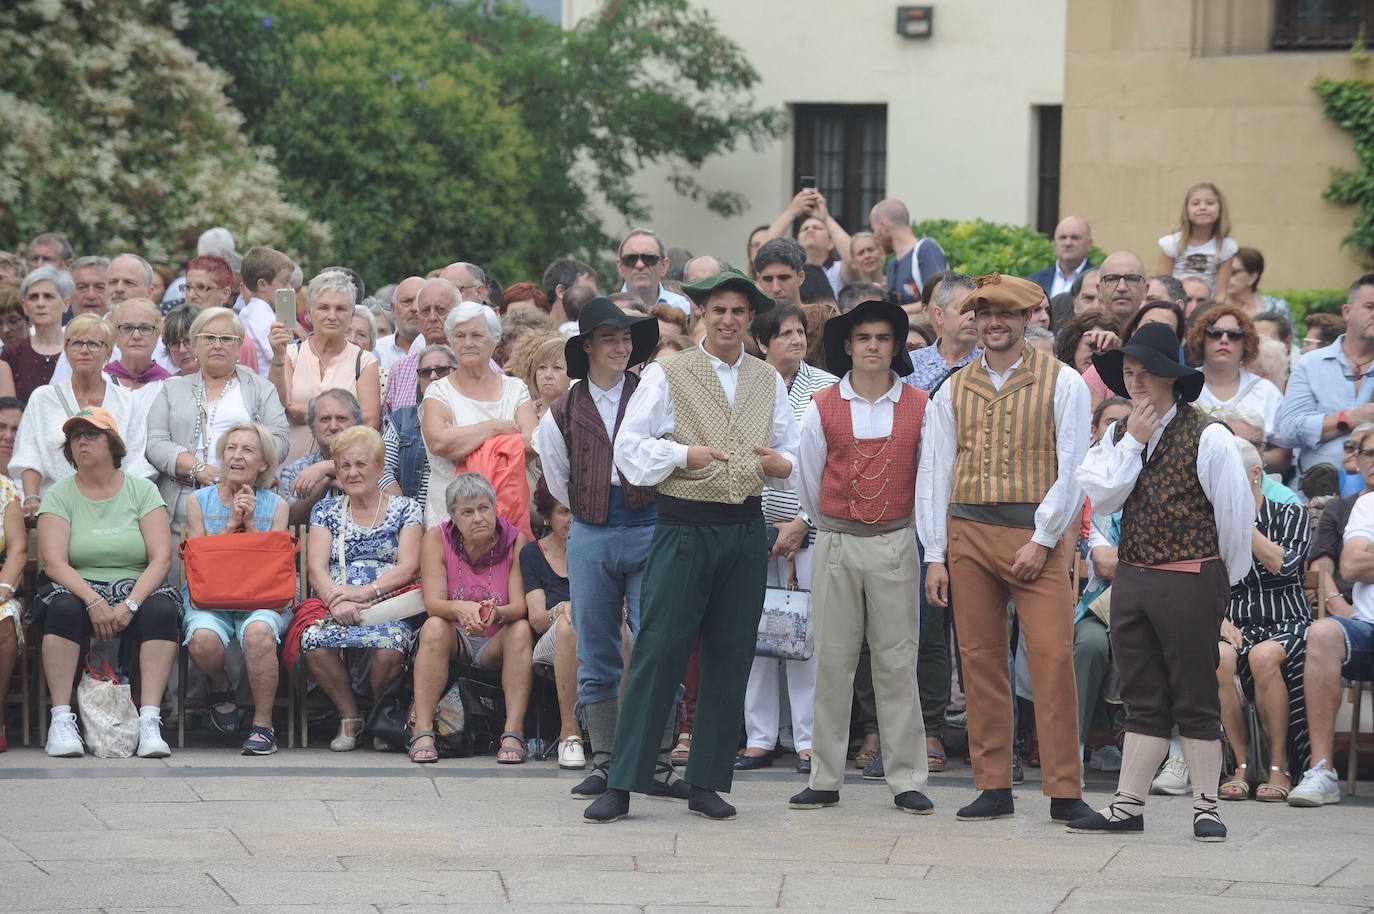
(495, 449)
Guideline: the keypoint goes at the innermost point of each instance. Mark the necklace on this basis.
(345, 522)
(205, 419)
(462, 561)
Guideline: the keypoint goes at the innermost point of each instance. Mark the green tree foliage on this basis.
(426, 130)
(976, 247)
(114, 133)
(1349, 104)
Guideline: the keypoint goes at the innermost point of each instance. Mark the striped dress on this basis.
(1270, 606)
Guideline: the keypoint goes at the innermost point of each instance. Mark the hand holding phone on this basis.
(286, 309)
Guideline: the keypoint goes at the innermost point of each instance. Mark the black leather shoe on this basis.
(753, 762)
(1097, 824)
(991, 804)
(1207, 828)
(1065, 810)
(803, 765)
(914, 802)
(708, 803)
(814, 799)
(593, 785)
(611, 805)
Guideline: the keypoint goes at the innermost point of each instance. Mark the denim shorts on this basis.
(1359, 649)
(227, 624)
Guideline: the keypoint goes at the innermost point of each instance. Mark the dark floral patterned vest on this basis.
(1167, 517)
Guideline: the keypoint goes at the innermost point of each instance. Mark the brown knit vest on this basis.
(1167, 517)
(590, 453)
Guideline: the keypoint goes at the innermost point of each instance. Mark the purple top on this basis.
(488, 575)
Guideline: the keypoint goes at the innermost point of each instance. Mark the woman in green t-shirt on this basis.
(106, 548)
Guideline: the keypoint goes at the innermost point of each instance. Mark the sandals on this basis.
(1273, 793)
(511, 755)
(423, 755)
(935, 761)
(224, 721)
(345, 741)
(867, 757)
(260, 741)
(682, 750)
(1238, 788)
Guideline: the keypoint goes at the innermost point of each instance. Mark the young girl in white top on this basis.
(1203, 245)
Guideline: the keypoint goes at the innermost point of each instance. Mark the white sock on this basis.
(149, 711)
(60, 710)
(1140, 757)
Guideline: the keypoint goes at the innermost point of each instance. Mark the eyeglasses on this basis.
(200, 289)
(87, 345)
(438, 371)
(649, 260)
(1311, 341)
(136, 329)
(218, 339)
(1131, 279)
(87, 434)
(1233, 334)
(1367, 454)
(180, 344)
(1349, 447)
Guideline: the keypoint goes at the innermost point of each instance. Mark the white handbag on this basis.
(785, 625)
(109, 720)
(401, 606)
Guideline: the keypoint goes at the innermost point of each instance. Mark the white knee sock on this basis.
(1140, 758)
(1204, 769)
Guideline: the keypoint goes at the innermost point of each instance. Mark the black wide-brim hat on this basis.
(601, 312)
(1155, 346)
(837, 329)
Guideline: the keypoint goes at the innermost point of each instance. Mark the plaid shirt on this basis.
(401, 385)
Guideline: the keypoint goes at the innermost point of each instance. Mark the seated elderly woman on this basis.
(407, 463)
(37, 458)
(1263, 641)
(471, 419)
(363, 545)
(13, 555)
(475, 597)
(242, 500)
(192, 412)
(544, 567)
(106, 549)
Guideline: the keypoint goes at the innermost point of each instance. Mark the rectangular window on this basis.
(1321, 24)
(845, 147)
(1048, 121)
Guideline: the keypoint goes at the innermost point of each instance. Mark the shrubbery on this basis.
(977, 247)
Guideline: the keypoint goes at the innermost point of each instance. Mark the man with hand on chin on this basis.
(1187, 514)
(857, 476)
(706, 426)
(995, 494)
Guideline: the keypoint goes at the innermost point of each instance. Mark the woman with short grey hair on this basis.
(46, 292)
(362, 330)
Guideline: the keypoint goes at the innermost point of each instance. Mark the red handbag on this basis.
(241, 571)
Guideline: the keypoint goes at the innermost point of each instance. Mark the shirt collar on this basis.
(892, 394)
(613, 394)
(720, 363)
(659, 297)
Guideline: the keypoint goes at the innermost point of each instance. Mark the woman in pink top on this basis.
(325, 361)
(475, 596)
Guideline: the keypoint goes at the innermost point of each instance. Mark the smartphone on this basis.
(286, 308)
(808, 182)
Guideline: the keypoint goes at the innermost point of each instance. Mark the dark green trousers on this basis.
(705, 581)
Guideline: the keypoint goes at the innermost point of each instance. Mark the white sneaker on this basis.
(63, 739)
(571, 754)
(150, 741)
(1319, 787)
(1106, 758)
(1172, 778)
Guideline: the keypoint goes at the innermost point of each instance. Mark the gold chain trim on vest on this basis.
(854, 509)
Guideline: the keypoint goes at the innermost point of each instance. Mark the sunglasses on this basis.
(649, 260)
(439, 371)
(1234, 335)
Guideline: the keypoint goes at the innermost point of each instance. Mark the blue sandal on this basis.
(224, 721)
(260, 741)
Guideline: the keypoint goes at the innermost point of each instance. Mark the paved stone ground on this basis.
(312, 830)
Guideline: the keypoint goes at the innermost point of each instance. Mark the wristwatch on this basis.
(132, 604)
(1342, 424)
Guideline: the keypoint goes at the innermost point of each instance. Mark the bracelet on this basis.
(279, 364)
(500, 615)
(377, 590)
(28, 498)
(98, 599)
(9, 587)
(1334, 593)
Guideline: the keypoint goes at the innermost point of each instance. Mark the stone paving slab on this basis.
(1096, 901)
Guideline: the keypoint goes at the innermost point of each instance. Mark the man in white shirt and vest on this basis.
(706, 426)
(995, 494)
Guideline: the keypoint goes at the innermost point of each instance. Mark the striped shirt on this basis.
(781, 505)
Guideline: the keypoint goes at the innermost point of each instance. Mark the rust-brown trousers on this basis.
(979, 560)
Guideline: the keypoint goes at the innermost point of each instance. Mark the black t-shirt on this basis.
(539, 575)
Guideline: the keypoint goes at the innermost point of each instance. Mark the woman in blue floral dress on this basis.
(363, 544)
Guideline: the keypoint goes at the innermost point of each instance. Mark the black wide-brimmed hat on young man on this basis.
(1155, 346)
(602, 312)
(838, 328)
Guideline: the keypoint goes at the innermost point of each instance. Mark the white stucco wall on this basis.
(960, 126)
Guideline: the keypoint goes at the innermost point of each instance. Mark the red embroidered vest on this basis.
(870, 480)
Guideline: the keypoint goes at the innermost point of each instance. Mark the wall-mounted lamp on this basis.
(915, 21)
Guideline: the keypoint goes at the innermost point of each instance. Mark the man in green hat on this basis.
(707, 427)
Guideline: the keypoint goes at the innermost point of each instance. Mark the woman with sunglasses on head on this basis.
(406, 471)
(1222, 342)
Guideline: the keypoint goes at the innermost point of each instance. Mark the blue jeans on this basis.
(605, 565)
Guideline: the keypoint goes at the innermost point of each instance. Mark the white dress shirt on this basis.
(871, 419)
(552, 447)
(645, 452)
(1062, 283)
(388, 353)
(1063, 502)
(1109, 472)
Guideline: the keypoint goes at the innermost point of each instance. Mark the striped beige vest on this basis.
(702, 415)
(1005, 438)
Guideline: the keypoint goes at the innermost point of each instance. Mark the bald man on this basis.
(1073, 240)
(1121, 285)
(913, 258)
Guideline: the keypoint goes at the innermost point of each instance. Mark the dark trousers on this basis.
(1165, 631)
(699, 581)
(932, 662)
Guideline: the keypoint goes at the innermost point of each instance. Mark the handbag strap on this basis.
(792, 574)
(101, 669)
